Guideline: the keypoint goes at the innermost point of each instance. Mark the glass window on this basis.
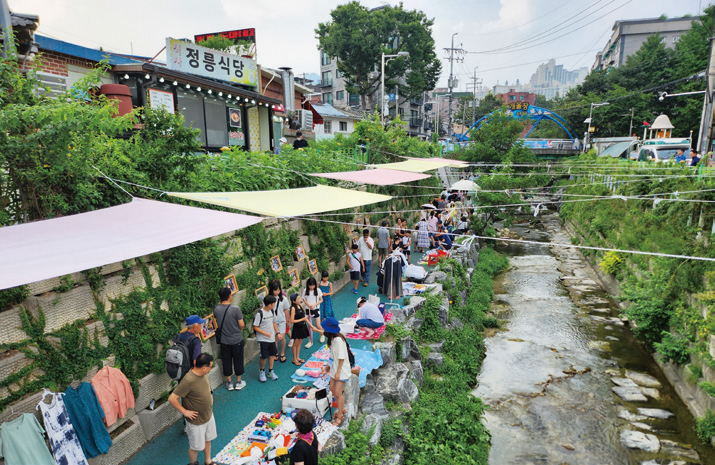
(676, 38)
(340, 95)
(327, 127)
(344, 126)
(338, 74)
(354, 100)
(512, 97)
(216, 119)
(521, 97)
(324, 59)
(191, 106)
(327, 78)
(328, 98)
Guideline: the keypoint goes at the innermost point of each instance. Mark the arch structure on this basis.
(523, 110)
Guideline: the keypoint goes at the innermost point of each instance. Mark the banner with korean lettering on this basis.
(194, 59)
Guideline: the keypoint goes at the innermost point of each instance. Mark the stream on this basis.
(549, 376)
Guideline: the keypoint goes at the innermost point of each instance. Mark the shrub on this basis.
(705, 426)
(674, 348)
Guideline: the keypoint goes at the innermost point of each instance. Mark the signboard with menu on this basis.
(243, 35)
(161, 99)
(194, 59)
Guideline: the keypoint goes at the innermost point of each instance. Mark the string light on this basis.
(176, 83)
(198, 89)
(188, 86)
(161, 79)
(146, 76)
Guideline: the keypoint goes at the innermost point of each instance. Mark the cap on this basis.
(361, 300)
(283, 140)
(330, 325)
(193, 319)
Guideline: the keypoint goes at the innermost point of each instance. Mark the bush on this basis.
(673, 348)
(705, 426)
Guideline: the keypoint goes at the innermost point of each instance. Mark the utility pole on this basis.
(474, 92)
(706, 121)
(451, 51)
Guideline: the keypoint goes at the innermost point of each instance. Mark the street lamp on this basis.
(382, 76)
(589, 120)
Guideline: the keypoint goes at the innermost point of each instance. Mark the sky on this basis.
(571, 31)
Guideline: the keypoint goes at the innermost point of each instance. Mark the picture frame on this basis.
(359, 221)
(347, 229)
(313, 266)
(230, 282)
(367, 221)
(300, 253)
(276, 265)
(208, 329)
(261, 292)
(294, 277)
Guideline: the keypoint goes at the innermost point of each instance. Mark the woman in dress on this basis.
(422, 234)
(326, 287)
(299, 319)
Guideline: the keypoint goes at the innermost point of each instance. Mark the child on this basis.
(340, 369)
(282, 312)
(264, 324)
(326, 287)
(406, 240)
(312, 298)
(300, 327)
(356, 266)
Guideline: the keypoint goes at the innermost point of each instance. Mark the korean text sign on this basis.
(194, 59)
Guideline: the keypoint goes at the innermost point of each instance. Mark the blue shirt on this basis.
(694, 161)
(187, 336)
(680, 158)
(86, 416)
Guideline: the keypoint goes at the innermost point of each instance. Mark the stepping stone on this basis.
(643, 426)
(629, 416)
(666, 462)
(657, 413)
(643, 379)
(681, 450)
(637, 440)
(624, 382)
(612, 338)
(650, 392)
(630, 394)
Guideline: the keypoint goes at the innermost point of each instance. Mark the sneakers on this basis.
(228, 385)
(262, 376)
(354, 291)
(240, 385)
(309, 345)
(322, 339)
(272, 375)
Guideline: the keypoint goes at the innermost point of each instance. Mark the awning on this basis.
(377, 177)
(32, 252)
(616, 150)
(287, 202)
(418, 166)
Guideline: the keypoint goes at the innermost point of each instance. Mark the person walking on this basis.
(195, 393)
(299, 143)
(356, 266)
(264, 324)
(282, 312)
(383, 242)
(406, 240)
(366, 247)
(229, 336)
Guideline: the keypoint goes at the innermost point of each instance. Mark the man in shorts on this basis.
(266, 328)
(195, 393)
(383, 242)
(356, 266)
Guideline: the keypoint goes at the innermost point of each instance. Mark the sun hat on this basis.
(330, 325)
(283, 140)
(193, 319)
(300, 372)
(360, 300)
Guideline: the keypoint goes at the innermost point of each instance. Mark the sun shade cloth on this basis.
(439, 159)
(418, 166)
(46, 249)
(287, 202)
(378, 177)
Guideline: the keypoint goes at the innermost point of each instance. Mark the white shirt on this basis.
(366, 251)
(311, 299)
(355, 261)
(339, 351)
(370, 311)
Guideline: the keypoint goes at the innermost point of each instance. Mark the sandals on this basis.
(296, 363)
(282, 358)
(338, 420)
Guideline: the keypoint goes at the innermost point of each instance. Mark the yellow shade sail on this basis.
(287, 202)
(419, 166)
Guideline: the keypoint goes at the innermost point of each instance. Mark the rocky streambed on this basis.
(566, 382)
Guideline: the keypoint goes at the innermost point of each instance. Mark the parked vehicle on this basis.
(660, 150)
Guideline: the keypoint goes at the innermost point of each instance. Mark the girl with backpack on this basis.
(312, 298)
(340, 369)
(282, 313)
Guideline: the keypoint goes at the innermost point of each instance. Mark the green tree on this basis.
(497, 140)
(488, 104)
(357, 37)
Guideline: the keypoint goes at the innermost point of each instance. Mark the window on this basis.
(521, 97)
(328, 98)
(327, 79)
(512, 97)
(343, 126)
(327, 127)
(324, 59)
(216, 118)
(402, 113)
(340, 95)
(354, 100)
(191, 106)
(338, 74)
(676, 38)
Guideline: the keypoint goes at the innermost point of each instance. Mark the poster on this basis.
(312, 266)
(276, 264)
(161, 99)
(294, 277)
(234, 117)
(230, 282)
(300, 253)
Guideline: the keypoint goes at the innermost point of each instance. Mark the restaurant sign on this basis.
(194, 59)
(236, 35)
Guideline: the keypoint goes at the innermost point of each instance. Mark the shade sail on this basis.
(287, 202)
(439, 159)
(47, 249)
(418, 166)
(378, 177)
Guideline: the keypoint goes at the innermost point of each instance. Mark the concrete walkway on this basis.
(234, 409)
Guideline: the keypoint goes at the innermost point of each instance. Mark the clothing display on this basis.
(86, 415)
(393, 265)
(326, 308)
(22, 442)
(113, 392)
(64, 441)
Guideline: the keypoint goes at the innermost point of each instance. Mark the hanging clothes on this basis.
(22, 442)
(113, 392)
(86, 415)
(393, 265)
(64, 441)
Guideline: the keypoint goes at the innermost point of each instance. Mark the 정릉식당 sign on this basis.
(194, 59)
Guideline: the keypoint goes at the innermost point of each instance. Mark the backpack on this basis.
(351, 356)
(179, 357)
(260, 321)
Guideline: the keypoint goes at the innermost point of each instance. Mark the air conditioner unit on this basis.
(305, 119)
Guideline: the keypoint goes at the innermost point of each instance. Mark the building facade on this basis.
(330, 121)
(628, 36)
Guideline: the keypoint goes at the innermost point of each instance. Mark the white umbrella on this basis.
(465, 185)
(429, 205)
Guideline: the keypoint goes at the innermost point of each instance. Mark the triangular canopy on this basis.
(377, 177)
(440, 159)
(419, 165)
(287, 202)
(32, 252)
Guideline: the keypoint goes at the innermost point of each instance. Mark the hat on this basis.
(360, 300)
(193, 319)
(300, 372)
(330, 325)
(283, 140)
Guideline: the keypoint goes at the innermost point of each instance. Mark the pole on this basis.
(382, 93)
(451, 78)
(474, 103)
(588, 132)
(706, 120)
(630, 128)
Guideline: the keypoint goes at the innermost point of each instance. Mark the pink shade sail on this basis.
(32, 252)
(377, 177)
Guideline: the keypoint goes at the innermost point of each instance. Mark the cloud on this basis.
(511, 13)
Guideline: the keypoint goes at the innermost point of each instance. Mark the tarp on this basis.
(378, 177)
(47, 249)
(418, 166)
(287, 202)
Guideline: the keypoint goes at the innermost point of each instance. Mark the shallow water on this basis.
(539, 414)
